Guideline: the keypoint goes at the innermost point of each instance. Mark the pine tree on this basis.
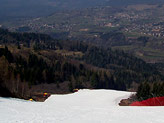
(70, 86)
(94, 80)
(144, 91)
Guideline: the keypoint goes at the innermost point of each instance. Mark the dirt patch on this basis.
(127, 102)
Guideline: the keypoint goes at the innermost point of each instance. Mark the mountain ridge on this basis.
(30, 8)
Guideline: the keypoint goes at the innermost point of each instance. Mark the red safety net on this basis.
(155, 101)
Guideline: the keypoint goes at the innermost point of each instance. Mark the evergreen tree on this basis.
(70, 85)
(144, 91)
(94, 80)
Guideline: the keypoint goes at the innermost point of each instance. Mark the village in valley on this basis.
(141, 28)
(140, 20)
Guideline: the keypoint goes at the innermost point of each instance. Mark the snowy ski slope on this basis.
(85, 106)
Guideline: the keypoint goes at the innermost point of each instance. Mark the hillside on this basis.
(136, 29)
(84, 106)
(12, 9)
(33, 63)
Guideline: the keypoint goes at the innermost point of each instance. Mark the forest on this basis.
(29, 59)
(148, 90)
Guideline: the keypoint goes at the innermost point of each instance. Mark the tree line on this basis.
(120, 69)
(19, 74)
(148, 90)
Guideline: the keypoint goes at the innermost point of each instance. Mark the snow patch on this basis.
(85, 106)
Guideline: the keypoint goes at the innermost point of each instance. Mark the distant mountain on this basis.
(30, 8)
(132, 2)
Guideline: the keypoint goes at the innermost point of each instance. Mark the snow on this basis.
(85, 106)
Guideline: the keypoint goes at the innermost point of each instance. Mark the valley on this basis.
(81, 61)
(136, 29)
